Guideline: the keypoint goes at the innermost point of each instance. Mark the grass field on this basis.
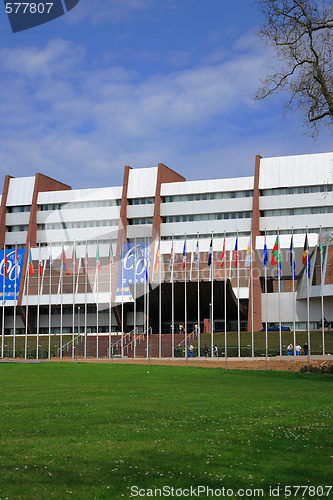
(94, 431)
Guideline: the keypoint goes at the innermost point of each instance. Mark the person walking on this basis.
(290, 349)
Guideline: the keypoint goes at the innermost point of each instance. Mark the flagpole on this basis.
(198, 332)
(225, 302)
(73, 319)
(134, 272)
(160, 306)
(185, 301)
(61, 295)
(85, 299)
(148, 290)
(279, 291)
(251, 271)
(308, 274)
(172, 304)
(238, 310)
(266, 298)
(3, 303)
(212, 301)
(293, 281)
(145, 322)
(38, 298)
(97, 302)
(26, 310)
(15, 302)
(110, 295)
(122, 296)
(321, 249)
(50, 308)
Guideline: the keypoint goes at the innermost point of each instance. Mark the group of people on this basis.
(290, 349)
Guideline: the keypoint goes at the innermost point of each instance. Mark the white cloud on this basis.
(82, 124)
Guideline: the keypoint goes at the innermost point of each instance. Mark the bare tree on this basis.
(302, 33)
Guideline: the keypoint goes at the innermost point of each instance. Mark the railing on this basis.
(136, 340)
(189, 336)
(66, 347)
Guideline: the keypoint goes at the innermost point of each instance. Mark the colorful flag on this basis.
(40, 266)
(309, 265)
(223, 253)
(31, 267)
(197, 255)
(236, 252)
(171, 258)
(248, 255)
(275, 252)
(305, 251)
(111, 258)
(184, 253)
(98, 260)
(321, 245)
(210, 252)
(6, 263)
(157, 258)
(64, 262)
(74, 262)
(292, 259)
(16, 264)
(265, 253)
(50, 263)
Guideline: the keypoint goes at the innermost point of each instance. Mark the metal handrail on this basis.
(68, 343)
(186, 338)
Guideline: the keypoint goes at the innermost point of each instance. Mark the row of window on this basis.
(79, 204)
(140, 220)
(206, 236)
(297, 190)
(297, 211)
(141, 201)
(77, 225)
(208, 196)
(17, 210)
(17, 229)
(206, 217)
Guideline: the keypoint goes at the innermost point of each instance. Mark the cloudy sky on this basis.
(138, 82)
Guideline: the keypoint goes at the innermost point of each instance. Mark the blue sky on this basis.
(138, 82)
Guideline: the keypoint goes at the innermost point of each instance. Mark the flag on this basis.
(236, 252)
(64, 262)
(86, 261)
(74, 262)
(40, 266)
(98, 260)
(197, 255)
(305, 251)
(275, 252)
(265, 253)
(223, 253)
(50, 263)
(210, 252)
(184, 253)
(6, 263)
(16, 264)
(321, 245)
(292, 259)
(248, 255)
(171, 258)
(31, 267)
(111, 258)
(309, 265)
(157, 258)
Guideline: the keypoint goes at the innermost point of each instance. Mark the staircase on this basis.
(128, 343)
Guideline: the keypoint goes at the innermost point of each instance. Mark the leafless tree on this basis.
(302, 33)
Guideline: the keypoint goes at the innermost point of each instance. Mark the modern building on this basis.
(144, 224)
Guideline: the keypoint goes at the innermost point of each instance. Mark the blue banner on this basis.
(127, 263)
(8, 284)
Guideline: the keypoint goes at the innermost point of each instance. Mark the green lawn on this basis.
(93, 431)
